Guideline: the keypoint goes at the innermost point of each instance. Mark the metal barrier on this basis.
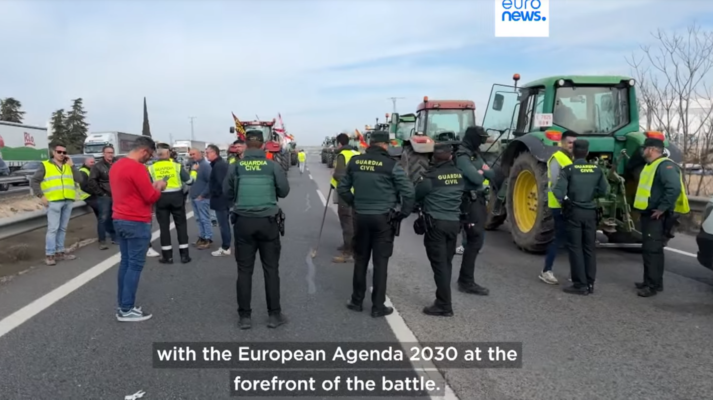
(15, 179)
(27, 222)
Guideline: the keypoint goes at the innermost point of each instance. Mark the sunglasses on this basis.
(60, 152)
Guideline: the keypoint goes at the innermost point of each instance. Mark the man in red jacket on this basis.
(134, 196)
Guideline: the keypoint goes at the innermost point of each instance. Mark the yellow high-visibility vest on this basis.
(563, 160)
(348, 154)
(170, 169)
(301, 156)
(58, 184)
(646, 180)
(232, 160)
(82, 194)
(486, 182)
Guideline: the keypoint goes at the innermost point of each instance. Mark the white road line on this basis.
(685, 253)
(22, 315)
(404, 335)
(310, 177)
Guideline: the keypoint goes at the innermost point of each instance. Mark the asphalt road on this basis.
(612, 345)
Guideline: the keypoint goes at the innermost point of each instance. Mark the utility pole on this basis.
(393, 101)
(170, 138)
(192, 135)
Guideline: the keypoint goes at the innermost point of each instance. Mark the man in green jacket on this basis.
(254, 184)
(439, 193)
(577, 187)
(474, 205)
(380, 186)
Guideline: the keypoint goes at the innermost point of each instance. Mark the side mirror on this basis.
(232, 129)
(412, 132)
(498, 102)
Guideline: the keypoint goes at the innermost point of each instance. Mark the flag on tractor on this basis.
(362, 142)
(239, 129)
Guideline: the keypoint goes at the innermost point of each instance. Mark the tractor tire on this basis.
(324, 158)
(286, 161)
(279, 159)
(415, 164)
(531, 223)
(330, 161)
(293, 158)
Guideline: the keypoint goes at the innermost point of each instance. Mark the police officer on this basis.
(255, 183)
(477, 175)
(557, 161)
(660, 193)
(577, 187)
(171, 203)
(439, 195)
(378, 182)
(344, 153)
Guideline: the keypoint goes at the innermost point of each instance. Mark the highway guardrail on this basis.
(30, 221)
(14, 179)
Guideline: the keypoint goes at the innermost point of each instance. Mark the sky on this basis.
(326, 66)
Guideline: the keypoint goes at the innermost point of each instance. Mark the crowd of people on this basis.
(373, 194)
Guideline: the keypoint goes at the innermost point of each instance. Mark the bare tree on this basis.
(672, 81)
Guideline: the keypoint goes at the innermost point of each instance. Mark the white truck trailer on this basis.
(20, 144)
(120, 141)
(181, 146)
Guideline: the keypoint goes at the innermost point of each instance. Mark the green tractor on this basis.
(524, 125)
(399, 131)
(328, 149)
(436, 121)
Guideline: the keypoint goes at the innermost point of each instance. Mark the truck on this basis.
(120, 141)
(436, 122)
(525, 125)
(20, 144)
(181, 147)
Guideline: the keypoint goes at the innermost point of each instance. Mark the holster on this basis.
(279, 219)
(670, 221)
(395, 221)
(567, 208)
(419, 225)
(233, 217)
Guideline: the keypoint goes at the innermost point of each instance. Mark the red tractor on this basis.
(273, 142)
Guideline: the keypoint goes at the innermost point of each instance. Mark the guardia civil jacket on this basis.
(440, 191)
(379, 182)
(254, 184)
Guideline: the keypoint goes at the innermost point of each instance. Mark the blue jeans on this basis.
(58, 215)
(560, 237)
(201, 209)
(134, 238)
(105, 223)
(223, 217)
(212, 216)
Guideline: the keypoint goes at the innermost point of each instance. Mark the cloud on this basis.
(325, 65)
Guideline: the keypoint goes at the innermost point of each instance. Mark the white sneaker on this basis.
(152, 253)
(548, 277)
(460, 250)
(221, 252)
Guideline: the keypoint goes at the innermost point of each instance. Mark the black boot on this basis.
(166, 257)
(185, 259)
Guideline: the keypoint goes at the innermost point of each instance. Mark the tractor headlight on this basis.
(632, 82)
(560, 82)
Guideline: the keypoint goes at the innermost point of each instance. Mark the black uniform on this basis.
(378, 183)
(255, 183)
(172, 203)
(578, 185)
(439, 197)
(665, 191)
(474, 206)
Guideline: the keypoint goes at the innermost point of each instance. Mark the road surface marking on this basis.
(685, 253)
(24, 314)
(404, 335)
(310, 177)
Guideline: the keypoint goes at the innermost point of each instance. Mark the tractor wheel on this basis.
(285, 160)
(330, 161)
(293, 158)
(415, 164)
(279, 158)
(531, 222)
(324, 158)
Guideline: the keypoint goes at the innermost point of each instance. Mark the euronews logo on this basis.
(522, 18)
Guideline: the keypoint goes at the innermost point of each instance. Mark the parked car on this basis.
(704, 239)
(4, 171)
(27, 171)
